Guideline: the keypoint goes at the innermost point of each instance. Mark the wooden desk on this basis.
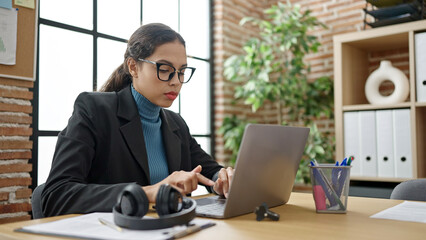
(298, 221)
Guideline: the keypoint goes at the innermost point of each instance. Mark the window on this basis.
(80, 45)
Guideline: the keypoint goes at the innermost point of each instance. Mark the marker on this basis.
(350, 160)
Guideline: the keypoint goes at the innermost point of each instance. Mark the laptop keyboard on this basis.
(210, 206)
(214, 209)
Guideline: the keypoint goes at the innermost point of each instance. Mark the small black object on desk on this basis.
(263, 211)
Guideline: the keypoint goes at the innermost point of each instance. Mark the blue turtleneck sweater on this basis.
(151, 125)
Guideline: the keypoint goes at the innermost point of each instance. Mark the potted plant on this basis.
(272, 69)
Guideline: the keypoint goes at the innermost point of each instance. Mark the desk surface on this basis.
(298, 221)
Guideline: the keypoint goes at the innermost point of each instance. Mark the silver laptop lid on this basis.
(266, 167)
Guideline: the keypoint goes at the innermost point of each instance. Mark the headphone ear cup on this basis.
(133, 201)
(168, 200)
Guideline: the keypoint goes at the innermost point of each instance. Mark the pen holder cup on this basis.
(330, 187)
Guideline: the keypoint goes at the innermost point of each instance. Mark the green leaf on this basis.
(319, 149)
(245, 20)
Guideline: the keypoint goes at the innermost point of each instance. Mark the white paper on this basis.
(8, 32)
(406, 211)
(88, 227)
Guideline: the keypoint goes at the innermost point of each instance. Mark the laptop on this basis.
(266, 167)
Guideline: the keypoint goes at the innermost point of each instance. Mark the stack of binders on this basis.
(380, 142)
(388, 12)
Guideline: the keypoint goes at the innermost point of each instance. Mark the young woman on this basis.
(122, 135)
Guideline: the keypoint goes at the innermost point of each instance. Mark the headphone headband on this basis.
(164, 221)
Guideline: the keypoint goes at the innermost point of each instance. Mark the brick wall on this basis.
(340, 16)
(228, 37)
(15, 149)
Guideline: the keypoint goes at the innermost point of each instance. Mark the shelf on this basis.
(391, 36)
(378, 179)
(355, 56)
(421, 104)
(361, 107)
(380, 43)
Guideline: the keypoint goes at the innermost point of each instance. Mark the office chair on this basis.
(36, 202)
(410, 190)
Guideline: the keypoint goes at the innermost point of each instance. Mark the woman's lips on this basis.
(171, 95)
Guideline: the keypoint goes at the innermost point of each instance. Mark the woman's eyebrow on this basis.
(171, 64)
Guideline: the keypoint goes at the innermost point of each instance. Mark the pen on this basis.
(335, 175)
(110, 224)
(190, 230)
(343, 176)
(186, 231)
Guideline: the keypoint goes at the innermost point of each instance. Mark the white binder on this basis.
(402, 143)
(368, 152)
(385, 152)
(420, 59)
(351, 141)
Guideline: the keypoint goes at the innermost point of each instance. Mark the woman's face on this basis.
(145, 79)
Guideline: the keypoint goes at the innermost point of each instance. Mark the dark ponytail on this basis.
(118, 80)
(141, 44)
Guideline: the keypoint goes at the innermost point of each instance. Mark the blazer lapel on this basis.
(132, 129)
(172, 143)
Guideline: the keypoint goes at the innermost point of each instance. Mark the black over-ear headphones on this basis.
(171, 207)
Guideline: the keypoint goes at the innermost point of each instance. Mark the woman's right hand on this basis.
(184, 182)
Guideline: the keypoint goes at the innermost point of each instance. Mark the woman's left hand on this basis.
(223, 182)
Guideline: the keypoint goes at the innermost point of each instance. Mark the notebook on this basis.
(265, 170)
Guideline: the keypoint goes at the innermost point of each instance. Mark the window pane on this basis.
(77, 12)
(195, 98)
(46, 148)
(195, 27)
(119, 18)
(65, 70)
(204, 143)
(175, 105)
(110, 56)
(162, 11)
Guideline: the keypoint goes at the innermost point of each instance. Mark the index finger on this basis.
(223, 175)
(204, 180)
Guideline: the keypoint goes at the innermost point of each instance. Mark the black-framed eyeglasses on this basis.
(165, 72)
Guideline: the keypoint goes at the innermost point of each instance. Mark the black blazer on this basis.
(102, 150)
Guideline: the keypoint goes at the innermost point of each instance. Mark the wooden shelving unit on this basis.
(351, 64)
